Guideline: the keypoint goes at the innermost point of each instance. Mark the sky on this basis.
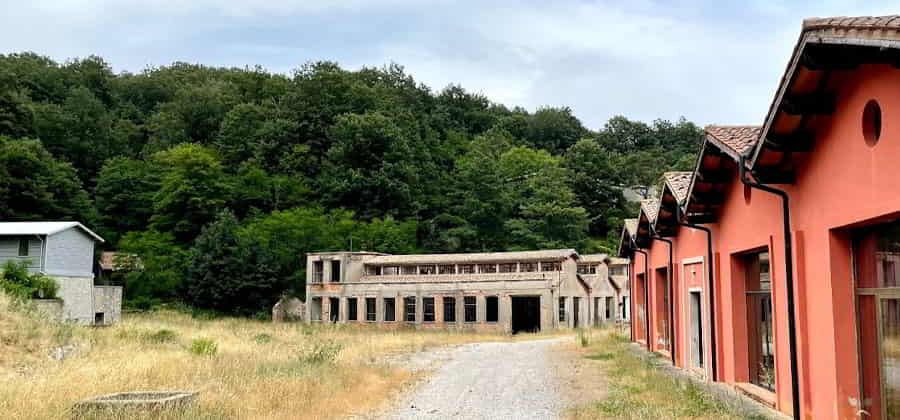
(712, 62)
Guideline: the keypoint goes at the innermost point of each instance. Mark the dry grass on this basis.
(255, 370)
(638, 389)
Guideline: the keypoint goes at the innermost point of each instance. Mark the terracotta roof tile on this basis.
(650, 207)
(679, 183)
(852, 22)
(740, 139)
(631, 226)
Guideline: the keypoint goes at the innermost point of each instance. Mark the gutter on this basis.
(671, 287)
(711, 287)
(788, 279)
(646, 299)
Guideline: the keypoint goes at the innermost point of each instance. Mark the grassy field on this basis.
(242, 368)
(638, 389)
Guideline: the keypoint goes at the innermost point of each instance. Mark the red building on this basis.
(773, 266)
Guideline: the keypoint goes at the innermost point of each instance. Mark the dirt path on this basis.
(524, 379)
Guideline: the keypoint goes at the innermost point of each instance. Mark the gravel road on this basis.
(515, 380)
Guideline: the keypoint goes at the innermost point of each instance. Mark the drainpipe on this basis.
(630, 292)
(712, 300)
(646, 299)
(671, 288)
(788, 279)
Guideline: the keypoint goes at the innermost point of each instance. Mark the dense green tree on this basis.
(154, 267)
(554, 129)
(192, 191)
(230, 275)
(125, 194)
(34, 185)
(596, 182)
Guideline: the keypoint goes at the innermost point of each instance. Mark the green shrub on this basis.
(161, 336)
(262, 338)
(584, 337)
(321, 352)
(204, 347)
(16, 281)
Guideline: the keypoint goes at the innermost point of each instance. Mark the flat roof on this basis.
(554, 254)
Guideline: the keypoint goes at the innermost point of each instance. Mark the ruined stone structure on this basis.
(500, 291)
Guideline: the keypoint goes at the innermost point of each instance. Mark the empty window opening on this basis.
(99, 318)
(409, 309)
(23, 247)
(608, 314)
(351, 309)
(318, 268)
(447, 269)
(528, 267)
(551, 266)
(427, 269)
(587, 269)
(373, 270)
(661, 314)
(470, 308)
(466, 268)
(508, 268)
(315, 309)
(491, 306)
(761, 342)
(526, 314)
(370, 309)
(409, 269)
(334, 309)
(428, 309)
(487, 268)
(449, 309)
(390, 310)
(336, 271)
(576, 303)
(390, 270)
(562, 311)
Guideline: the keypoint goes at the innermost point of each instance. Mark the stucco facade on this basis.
(804, 286)
(508, 292)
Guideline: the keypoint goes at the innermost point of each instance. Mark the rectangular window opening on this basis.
(470, 308)
(23, 247)
(318, 269)
(562, 310)
(336, 271)
(370, 309)
(449, 309)
(491, 305)
(428, 309)
(409, 309)
(351, 309)
(390, 310)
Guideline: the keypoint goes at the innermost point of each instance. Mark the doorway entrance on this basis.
(575, 311)
(876, 263)
(334, 309)
(760, 337)
(696, 330)
(526, 314)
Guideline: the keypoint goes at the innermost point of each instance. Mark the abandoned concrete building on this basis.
(500, 291)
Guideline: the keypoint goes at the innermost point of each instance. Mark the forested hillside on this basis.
(221, 179)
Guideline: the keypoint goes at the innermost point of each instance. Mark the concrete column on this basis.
(480, 308)
(419, 309)
(548, 319)
(379, 307)
(326, 271)
(505, 303)
(342, 309)
(438, 309)
(460, 309)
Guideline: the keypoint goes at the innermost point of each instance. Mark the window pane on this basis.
(466, 268)
(23, 247)
(890, 356)
(508, 268)
(487, 268)
(409, 304)
(446, 269)
(370, 309)
(562, 309)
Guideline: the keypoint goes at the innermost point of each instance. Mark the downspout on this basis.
(712, 299)
(630, 291)
(671, 287)
(646, 299)
(788, 279)
(43, 254)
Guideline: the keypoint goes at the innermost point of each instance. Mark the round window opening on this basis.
(871, 122)
(748, 193)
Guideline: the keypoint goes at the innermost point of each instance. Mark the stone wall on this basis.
(77, 294)
(51, 309)
(108, 301)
